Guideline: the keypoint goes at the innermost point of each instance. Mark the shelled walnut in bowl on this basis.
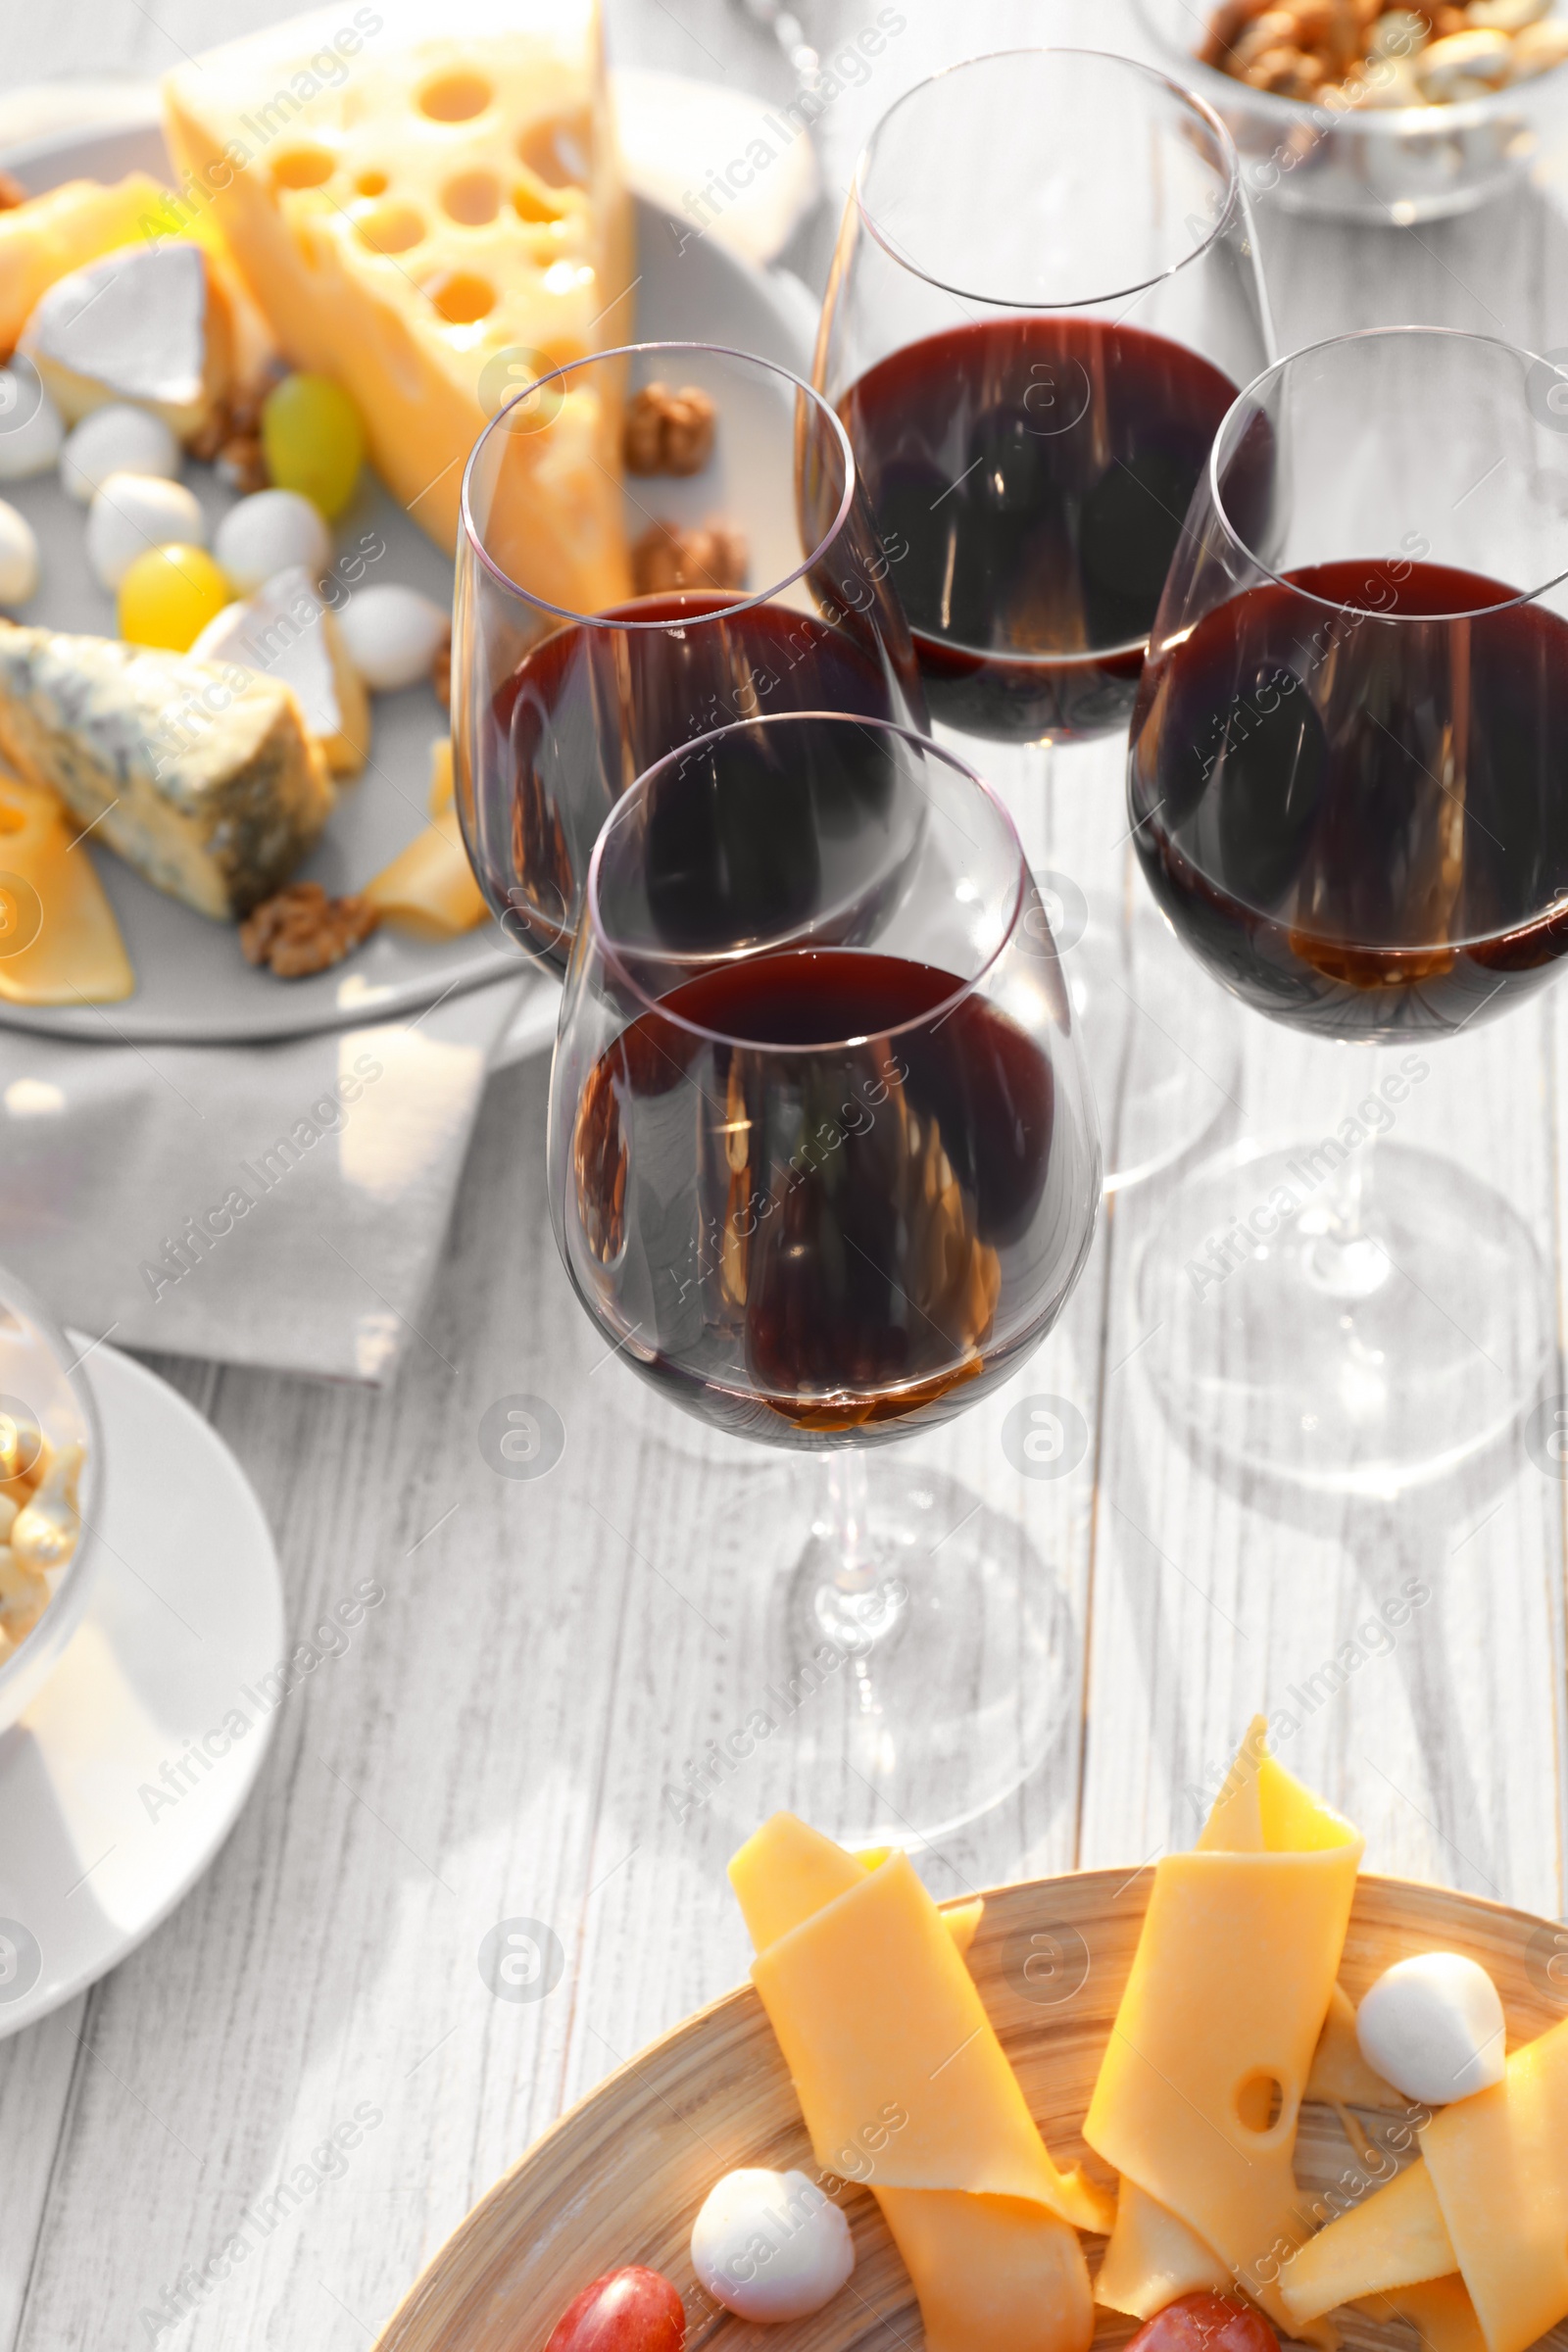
(1343, 53)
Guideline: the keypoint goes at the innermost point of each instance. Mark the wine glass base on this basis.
(924, 1690)
(1358, 1366)
(1161, 1042)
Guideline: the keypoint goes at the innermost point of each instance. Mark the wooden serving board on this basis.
(619, 2179)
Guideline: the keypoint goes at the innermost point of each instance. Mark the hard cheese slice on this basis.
(203, 779)
(433, 222)
(1489, 2199)
(59, 941)
(878, 2018)
(1218, 2027)
(43, 239)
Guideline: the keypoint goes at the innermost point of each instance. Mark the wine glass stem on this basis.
(854, 1602)
(847, 1501)
(1348, 1261)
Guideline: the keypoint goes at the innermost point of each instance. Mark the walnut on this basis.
(441, 671)
(241, 465)
(11, 193)
(669, 432)
(301, 930)
(667, 557)
(207, 441)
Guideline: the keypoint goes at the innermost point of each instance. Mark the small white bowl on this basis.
(1397, 166)
(38, 1368)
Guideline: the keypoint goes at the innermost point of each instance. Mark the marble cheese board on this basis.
(193, 985)
(621, 2178)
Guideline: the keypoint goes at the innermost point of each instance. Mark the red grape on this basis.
(633, 2311)
(1205, 2322)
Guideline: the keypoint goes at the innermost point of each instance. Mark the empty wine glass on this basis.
(1346, 785)
(740, 577)
(1043, 300)
(823, 1166)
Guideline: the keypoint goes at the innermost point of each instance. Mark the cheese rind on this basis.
(433, 225)
(203, 779)
(1221, 2014)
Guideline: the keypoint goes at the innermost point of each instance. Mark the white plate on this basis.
(193, 986)
(109, 1810)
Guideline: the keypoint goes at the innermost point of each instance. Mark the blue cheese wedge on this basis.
(286, 631)
(202, 776)
(148, 323)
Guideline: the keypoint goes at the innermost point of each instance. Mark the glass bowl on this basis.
(39, 1374)
(1398, 165)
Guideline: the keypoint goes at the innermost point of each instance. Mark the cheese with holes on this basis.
(428, 207)
(203, 779)
(1201, 2081)
(1489, 2200)
(49, 235)
(905, 2086)
(59, 941)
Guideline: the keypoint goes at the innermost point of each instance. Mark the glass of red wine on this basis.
(742, 576)
(824, 1168)
(1043, 300)
(1347, 792)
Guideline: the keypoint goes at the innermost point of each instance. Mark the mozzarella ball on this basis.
(391, 635)
(30, 430)
(19, 556)
(771, 2246)
(134, 512)
(272, 532)
(119, 439)
(1434, 2028)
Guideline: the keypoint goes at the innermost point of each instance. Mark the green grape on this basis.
(312, 440)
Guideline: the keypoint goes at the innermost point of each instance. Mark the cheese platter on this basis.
(188, 982)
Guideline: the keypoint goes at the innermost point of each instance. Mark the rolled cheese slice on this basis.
(1202, 2078)
(1487, 2201)
(878, 2018)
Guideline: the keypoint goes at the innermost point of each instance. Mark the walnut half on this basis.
(300, 930)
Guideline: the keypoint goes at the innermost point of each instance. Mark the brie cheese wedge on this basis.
(287, 632)
(147, 324)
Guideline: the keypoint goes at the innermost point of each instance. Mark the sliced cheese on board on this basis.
(1395, 2238)
(202, 778)
(1341, 2077)
(59, 941)
(1438, 2310)
(429, 887)
(1489, 2199)
(435, 222)
(50, 235)
(1153, 2257)
(1201, 2083)
(877, 2016)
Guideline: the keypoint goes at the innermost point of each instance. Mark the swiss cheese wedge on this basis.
(881, 2025)
(1199, 2091)
(1488, 2202)
(59, 941)
(427, 205)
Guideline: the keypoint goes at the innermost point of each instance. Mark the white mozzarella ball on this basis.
(771, 2246)
(30, 430)
(19, 556)
(391, 635)
(269, 533)
(134, 512)
(119, 439)
(1434, 2028)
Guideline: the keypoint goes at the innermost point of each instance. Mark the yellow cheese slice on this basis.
(52, 901)
(443, 793)
(1341, 2077)
(50, 235)
(1438, 2310)
(1396, 2237)
(427, 205)
(877, 2014)
(429, 887)
(1152, 2258)
(1201, 2083)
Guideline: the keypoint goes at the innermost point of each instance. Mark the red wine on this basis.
(587, 709)
(1030, 478)
(1360, 822)
(842, 1217)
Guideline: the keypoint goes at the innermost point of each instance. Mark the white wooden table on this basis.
(548, 1653)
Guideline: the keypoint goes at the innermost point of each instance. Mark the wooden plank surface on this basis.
(548, 1654)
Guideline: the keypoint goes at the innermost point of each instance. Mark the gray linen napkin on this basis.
(279, 1206)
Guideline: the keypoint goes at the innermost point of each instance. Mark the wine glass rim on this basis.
(612, 951)
(737, 601)
(1277, 368)
(1190, 99)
